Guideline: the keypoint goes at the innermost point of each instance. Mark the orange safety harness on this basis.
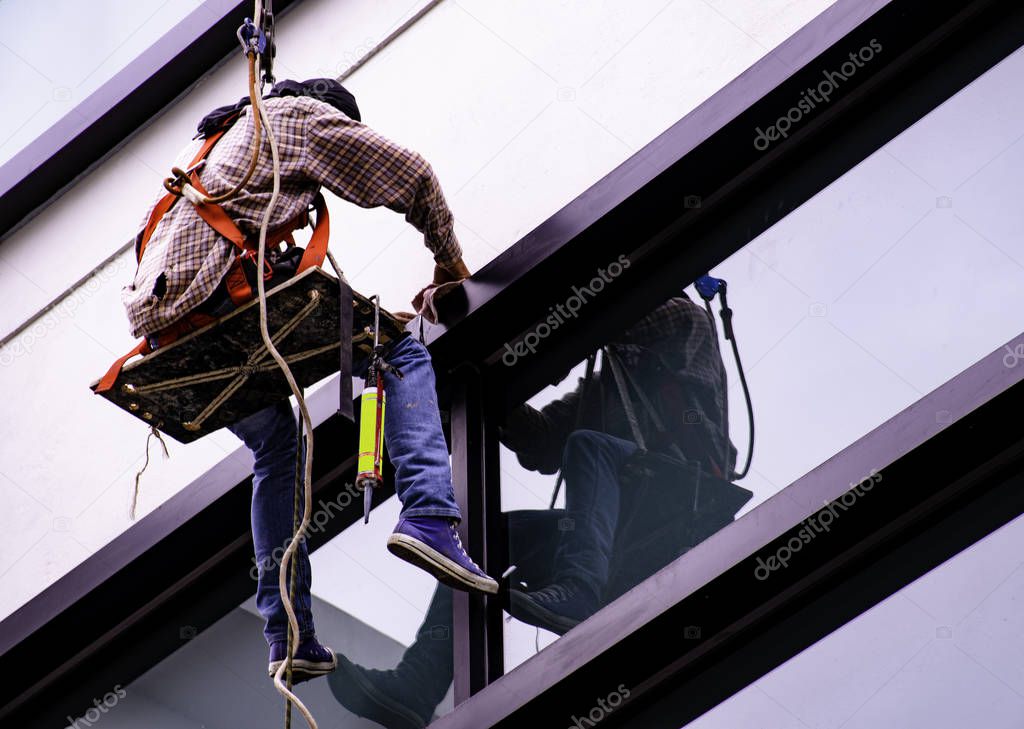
(235, 280)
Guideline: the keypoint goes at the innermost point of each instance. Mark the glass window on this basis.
(941, 652)
(188, 688)
(367, 606)
(883, 286)
(354, 574)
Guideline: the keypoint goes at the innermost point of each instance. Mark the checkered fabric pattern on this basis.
(679, 336)
(318, 147)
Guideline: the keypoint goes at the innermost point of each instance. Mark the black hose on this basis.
(726, 315)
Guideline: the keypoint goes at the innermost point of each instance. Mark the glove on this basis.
(425, 302)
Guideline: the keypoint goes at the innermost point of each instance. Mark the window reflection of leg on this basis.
(406, 695)
(591, 465)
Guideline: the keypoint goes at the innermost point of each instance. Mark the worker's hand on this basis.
(425, 302)
(456, 272)
(403, 317)
(445, 280)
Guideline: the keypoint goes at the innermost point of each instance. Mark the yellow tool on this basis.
(371, 418)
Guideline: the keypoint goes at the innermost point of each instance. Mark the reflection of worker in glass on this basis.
(673, 357)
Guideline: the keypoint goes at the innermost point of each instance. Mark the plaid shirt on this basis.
(673, 355)
(317, 146)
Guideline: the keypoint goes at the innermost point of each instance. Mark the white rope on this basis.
(193, 195)
(300, 534)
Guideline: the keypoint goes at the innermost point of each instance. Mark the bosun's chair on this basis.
(222, 372)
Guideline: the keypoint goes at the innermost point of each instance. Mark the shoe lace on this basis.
(555, 593)
(458, 543)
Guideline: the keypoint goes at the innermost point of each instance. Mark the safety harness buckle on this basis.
(251, 37)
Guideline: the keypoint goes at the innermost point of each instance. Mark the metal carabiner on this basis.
(251, 38)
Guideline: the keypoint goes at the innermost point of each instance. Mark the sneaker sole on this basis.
(522, 608)
(445, 570)
(384, 709)
(303, 670)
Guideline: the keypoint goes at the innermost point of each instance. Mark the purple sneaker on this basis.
(311, 659)
(432, 544)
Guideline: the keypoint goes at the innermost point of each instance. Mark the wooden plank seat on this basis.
(222, 373)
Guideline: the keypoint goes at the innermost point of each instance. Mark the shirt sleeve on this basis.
(361, 166)
(538, 437)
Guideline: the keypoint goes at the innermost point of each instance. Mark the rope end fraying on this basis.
(138, 476)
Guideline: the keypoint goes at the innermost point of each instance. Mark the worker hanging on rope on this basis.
(188, 265)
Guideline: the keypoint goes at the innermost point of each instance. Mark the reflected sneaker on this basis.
(380, 696)
(558, 608)
(432, 543)
(311, 659)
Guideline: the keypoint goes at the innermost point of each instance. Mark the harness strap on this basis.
(108, 379)
(216, 217)
(168, 200)
(316, 249)
(191, 322)
(238, 286)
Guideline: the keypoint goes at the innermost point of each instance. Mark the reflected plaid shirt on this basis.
(680, 335)
(318, 146)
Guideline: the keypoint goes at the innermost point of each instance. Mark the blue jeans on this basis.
(415, 445)
(591, 463)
